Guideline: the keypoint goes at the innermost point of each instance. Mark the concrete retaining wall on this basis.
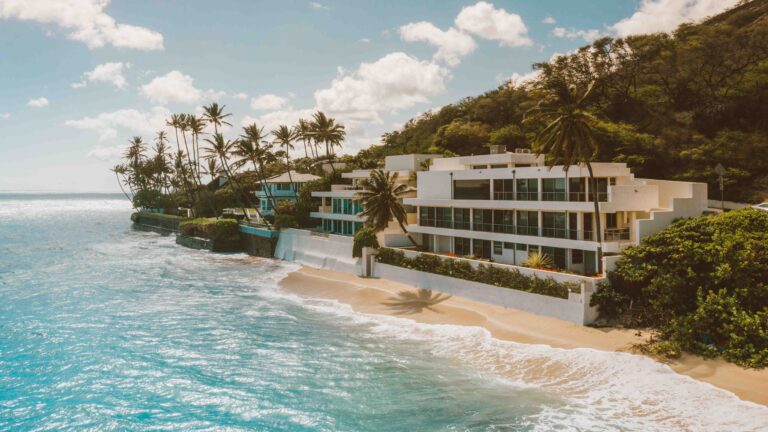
(329, 251)
(575, 309)
(158, 222)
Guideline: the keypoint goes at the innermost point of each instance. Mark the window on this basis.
(482, 220)
(358, 207)
(557, 255)
(427, 216)
(283, 186)
(503, 189)
(504, 221)
(528, 189)
(602, 189)
(577, 189)
(553, 224)
(498, 248)
(346, 205)
(478, 166)
(528, 223)
(499, 166)
(533, 249)
(443, 217)
(472, 189)
(462, 246)
(611, 220)
(577, 256)
(553, 189)
(335, 205)
(481, 248)
(521, 247)
(589, 226)
(461, 218)
(508, 245)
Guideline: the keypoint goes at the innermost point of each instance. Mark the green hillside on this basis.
(670, 106)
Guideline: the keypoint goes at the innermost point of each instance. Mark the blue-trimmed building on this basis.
(280, 188)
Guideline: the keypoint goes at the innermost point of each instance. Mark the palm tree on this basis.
(568, 137)
(284, 137)
(213, 169)
(381, 197)
(325, 130)
(196, 128)
(214, 114)
(175, 122)
(120, 170)
(251, 147)
(221, 148)
(304, 130)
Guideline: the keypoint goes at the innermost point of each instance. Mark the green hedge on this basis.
(211, 228)
(487, 274)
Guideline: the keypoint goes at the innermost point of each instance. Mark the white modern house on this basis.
(285, 186)
(339, 208)
(502, 206)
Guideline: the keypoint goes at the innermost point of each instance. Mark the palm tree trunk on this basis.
(290, 179)
(122, 189)
(598, 231)
(263, 180)
(237, 186)
(402, 227)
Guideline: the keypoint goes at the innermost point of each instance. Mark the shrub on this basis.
(283, 221)
(214, 229)
(487, 274)
(538, 260)
(364, 237)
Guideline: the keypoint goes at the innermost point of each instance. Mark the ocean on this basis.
(106, 327)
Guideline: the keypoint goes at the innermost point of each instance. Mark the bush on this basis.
(364, 237)
(702, 282)
(211, 228)
(487, 274)
(150, 198)
(283, 221)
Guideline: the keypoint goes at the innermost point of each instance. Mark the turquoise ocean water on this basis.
(104, 327)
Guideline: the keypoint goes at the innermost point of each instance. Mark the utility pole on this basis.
(720, 171)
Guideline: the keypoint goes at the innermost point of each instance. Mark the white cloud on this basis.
(172, 87)
(548, 20)
(272, 120)
(517, 79)
(451, 44)
(665, 15)
(588, 35)
(5, 116)
(393, 82)
(241, 96)
(128, 120)
(268, 102)
(318, 6)
(38, 103)
(488, 22)
(105, 153)
(364, 40)
(83, 21)
(107, 72)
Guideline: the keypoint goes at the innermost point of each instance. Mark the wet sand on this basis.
(380, 296)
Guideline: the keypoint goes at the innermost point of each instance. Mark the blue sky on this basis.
(80, 77)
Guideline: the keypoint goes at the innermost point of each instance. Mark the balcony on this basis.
(617, 234)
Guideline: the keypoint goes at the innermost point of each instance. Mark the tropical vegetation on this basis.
(382, 199)
(702, 283)
(487, 274)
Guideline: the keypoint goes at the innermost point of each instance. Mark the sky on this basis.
(79, 78)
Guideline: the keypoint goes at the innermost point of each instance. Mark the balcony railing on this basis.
(617, 234)
(553, 196)
(504, 196)
(527, 196)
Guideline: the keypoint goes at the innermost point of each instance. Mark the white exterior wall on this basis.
(691, 202)
(333, 252)
(575, 309)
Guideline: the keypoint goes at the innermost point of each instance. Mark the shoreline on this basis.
(384, 297)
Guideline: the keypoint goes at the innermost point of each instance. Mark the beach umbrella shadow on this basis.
(413, 302)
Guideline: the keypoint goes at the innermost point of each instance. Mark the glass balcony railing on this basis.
(527, 196)
(553, 196)
(617, 234)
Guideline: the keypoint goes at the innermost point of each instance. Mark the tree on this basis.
(568, 138)
(304, 130)
(325, 130)
(381, 197)
(214, 114)
(120, 170)
(221, 148)
(196, 128)
(284, 137)
(251, 147)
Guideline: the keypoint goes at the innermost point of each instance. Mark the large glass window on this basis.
(498, 248)
(482, 220)
(528, 223)
(553, 225)
(462, 246)
(602, 188)
(528, 189)
(443, 217)
(461, 218)
(504, 221)
(472, 189)
(553, 189)
(481, 248)
(577, 189)
(358, 207)
(558, 256)
(427, 216)
(589, 226)
(503, 189)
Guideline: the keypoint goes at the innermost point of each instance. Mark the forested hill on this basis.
(671, 106)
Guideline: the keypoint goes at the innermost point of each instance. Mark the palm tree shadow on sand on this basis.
(410, 302)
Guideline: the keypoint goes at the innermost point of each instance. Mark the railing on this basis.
(504, 196)
(617, 234)
(553, 196)
(527, 196)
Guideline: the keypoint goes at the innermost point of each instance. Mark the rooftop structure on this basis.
(281, 187)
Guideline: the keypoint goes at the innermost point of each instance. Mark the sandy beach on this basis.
(379, 296)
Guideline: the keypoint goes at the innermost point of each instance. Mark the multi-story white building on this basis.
(340, 206)
(503, 206)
